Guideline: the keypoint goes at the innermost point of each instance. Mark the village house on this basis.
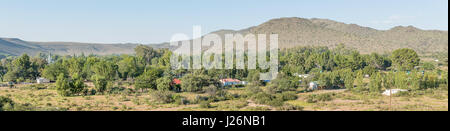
(313, 86)
(177, 84)
(230, 81)
(41, 80)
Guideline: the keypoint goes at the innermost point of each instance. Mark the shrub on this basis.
(286, 96)
(205, 104)
(258, 108)
(232, 105)
(211, 90)
(198, 99)
(66, 87)
(6, 104)
(319, 97)
(162, 96)
(267, 99)
(275, 102)
(181, 101)
(252, 89)
(289, 107)
(196, 82)
(63, 86)
(100, 83)
(164, 83)
(262, 98)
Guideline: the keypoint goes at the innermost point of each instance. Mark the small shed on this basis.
(313, 86)
(303, 75)
(229, 82)
(42, 80)
(393, 91)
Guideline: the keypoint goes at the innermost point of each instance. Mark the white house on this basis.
(313, 86)
(303, 75)
(393, 91)
(41, 80)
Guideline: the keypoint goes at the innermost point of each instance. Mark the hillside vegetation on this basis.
(345, 80)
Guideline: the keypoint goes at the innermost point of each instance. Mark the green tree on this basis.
(128, 67)
(100, 83)
(36, 67)
(164, 83)
(148, 79)
(359, 81)
(74, 66)
(376, 82)
(20, 69)
(6, 104)
(283, 83)
(405, 59)
(77, 84)
(379, 62)
(195, 82)
(146, 53)
(52, 71)
(106, 69)
(88, 68)
(63, 86)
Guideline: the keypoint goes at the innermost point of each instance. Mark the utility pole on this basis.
(390, 99)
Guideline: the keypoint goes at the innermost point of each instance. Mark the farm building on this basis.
(176, 81)
(313, 86)
(177, 84)
(230, 81)
(393, 91)
(42, 80)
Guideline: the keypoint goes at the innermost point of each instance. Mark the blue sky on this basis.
(153, 21)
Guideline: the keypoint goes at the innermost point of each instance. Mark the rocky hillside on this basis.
(322, 32)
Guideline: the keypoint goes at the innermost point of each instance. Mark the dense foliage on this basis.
(149, 69)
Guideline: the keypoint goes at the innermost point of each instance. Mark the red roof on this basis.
(177, 81)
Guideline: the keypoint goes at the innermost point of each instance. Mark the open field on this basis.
(46, 98)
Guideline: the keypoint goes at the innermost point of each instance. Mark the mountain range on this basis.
(292, 32)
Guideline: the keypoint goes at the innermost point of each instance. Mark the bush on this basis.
(319, 97)
(100, 83)
(252, 89)
(162, 96)
(205, 104)
(66, 87)
(6, 104)
(262, 98)
(196, 82)
(267, 99)
(211, 90)
(277, 102)
(289, 107)
(232, 105)
(198, 99)
(181, 101)
(286, 96)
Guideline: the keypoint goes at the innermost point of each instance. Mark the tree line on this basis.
(149, 69)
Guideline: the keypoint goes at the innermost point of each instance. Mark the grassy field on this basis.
(44, 98)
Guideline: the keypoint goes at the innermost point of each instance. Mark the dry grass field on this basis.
(47, 99)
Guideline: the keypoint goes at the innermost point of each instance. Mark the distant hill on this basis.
(322, 32)
(15, 47)
(292, 32)
(69, 48)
